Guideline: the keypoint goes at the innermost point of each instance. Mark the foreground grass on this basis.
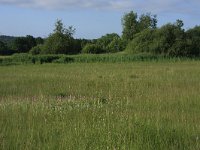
(139, 105)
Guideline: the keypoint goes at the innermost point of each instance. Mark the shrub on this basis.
(64, 59)
(116, 45)
(193, 41)
(92, 49)
(4, 50)
(36, 50)
(142, 42)
(168, 40)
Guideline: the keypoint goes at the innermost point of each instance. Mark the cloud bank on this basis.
(155, 6)
(66, 4)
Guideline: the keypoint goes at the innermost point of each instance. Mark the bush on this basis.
(57, 43)
(142, 42)
(36, 50)
(64, 59)
(168, 40)
(193, 41)
(116, 45)
(92, 49)
(4, 50)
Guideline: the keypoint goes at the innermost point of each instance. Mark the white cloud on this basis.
(154, 6)
(65, 4)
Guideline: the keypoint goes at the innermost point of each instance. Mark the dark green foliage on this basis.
(142, 43)
(93, 49)
(39, 40)
(4, 49)
(168, 40)
(7, 39)
(111, 43)
(24, 44)
(79, 44)
(193, 41)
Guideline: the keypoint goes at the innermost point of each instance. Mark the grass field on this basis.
(138, 105)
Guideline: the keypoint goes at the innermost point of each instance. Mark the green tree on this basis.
(39, 40)
(170, 39)
(61, 41)
(24, 44)
(129, 25)
(105, 41)
(132, 25)
(167, 40)
(3, 48)
(147, 21)
(193, 41)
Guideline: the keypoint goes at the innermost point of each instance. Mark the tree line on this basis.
(140, 35)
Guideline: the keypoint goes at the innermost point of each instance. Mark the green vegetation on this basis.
(18, 59)
(60, 42)
(145, 95)
(92, 49)
(169, 40)
(140, 34)
(132, 25)
(137, 105)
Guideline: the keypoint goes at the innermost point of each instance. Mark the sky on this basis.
(91, 18)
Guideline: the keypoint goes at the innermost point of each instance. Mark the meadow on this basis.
(152, 105)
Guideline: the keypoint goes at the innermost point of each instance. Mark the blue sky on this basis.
(91, 18)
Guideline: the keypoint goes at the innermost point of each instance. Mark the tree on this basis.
(105, 40)
(60, 28)
(147, 21)
(132, 25)
(24, 44)
(31, 41)
(39, 40)
(3, 48)
(171, 39)
(193, 41)
(129, 25)
(167, 40)
(61, 41)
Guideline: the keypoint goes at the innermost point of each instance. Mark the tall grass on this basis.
(17, 59)
(138, 105)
